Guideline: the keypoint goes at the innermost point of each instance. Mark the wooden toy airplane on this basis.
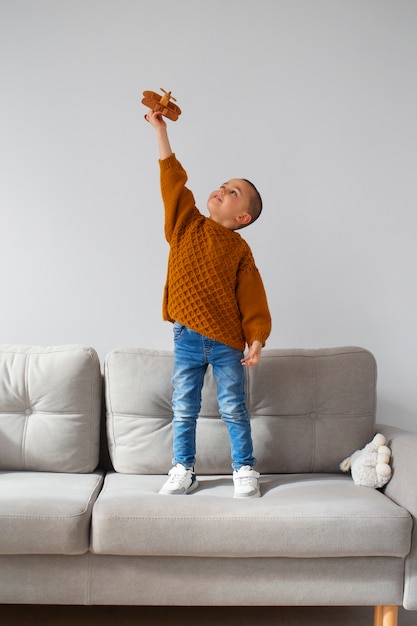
(163, 104)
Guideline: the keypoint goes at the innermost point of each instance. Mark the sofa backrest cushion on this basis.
(309, 410)
(50, 403)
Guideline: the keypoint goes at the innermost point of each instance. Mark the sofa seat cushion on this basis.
(46, 513)
(302, 516)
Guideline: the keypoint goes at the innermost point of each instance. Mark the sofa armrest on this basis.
(402, 490)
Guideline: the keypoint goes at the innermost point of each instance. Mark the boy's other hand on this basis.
(253, 355)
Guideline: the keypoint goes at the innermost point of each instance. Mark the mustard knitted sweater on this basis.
(213, 285)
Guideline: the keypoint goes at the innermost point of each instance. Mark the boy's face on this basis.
(229, 205)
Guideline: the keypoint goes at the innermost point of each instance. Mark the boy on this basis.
(215, 297)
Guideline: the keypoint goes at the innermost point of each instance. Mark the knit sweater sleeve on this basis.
(253, 304)
(179, 202)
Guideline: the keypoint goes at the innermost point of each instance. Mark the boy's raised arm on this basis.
(156, 120)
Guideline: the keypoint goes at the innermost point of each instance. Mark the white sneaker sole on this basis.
(256, 494)
(182, 492)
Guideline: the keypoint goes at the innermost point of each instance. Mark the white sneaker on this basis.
(181, 480)
(246, 482)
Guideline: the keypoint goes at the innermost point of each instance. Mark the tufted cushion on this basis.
(50, 400)
(309, 409)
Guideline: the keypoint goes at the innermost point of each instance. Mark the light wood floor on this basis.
(192, 616)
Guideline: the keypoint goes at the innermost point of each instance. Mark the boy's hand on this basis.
(253, 355)
(155, 119)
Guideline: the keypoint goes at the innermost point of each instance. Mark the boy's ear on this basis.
(244, 219)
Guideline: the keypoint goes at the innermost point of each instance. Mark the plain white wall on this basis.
(313, 100)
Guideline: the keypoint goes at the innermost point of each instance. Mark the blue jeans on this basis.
(192, 354)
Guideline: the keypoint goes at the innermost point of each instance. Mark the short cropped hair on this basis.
(255, 207)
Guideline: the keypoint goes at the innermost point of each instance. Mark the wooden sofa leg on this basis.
(386, 616)
(378, 616)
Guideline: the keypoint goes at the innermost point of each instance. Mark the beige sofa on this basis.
(83, 523)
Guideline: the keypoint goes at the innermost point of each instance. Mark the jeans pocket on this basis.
(179, 330)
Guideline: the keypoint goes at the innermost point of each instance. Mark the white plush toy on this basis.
(370, 466)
